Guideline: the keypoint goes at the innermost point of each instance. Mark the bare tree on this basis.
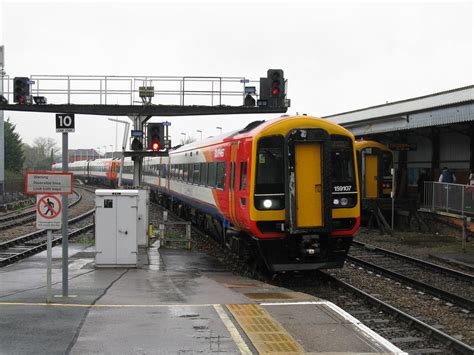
(41, 154)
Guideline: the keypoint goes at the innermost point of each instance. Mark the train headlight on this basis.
(270, 202)
(335, 202)
(344, 201)
(267, 203)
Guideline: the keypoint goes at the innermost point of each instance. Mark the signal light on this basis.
(277, 86)
(21, 90)
(155, 136)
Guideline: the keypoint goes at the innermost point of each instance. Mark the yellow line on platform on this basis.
(244, 349)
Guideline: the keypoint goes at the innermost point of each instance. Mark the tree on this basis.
(41, 154)
(13, 148)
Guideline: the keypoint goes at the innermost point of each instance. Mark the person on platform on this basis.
(471, 177)
(447, 176)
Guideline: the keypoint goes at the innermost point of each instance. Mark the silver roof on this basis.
(399, 108)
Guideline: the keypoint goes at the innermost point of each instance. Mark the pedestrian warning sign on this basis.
(48, 212)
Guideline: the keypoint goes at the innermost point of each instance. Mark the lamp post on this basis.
(220, 129)
(99, 152)
(105, 151)
(184, 137)
(200, 132)
(112, 149)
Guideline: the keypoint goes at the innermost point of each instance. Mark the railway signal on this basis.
(277, 83)
(21, 90)
(155, 136)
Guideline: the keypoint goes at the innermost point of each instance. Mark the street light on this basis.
(112, 149)
(99, 151)
(184, 137)
(220, 129)
(200, 132)
(105, 151)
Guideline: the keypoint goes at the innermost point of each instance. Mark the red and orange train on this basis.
(283, 191)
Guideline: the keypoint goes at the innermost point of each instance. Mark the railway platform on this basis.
(176, 301)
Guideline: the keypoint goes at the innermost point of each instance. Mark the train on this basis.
(283, 193)
(375, 161)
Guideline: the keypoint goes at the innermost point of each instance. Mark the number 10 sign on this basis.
(64, 122)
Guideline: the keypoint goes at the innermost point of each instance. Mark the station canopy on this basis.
(443, 108)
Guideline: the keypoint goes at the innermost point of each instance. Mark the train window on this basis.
(342, 157)
(243, 175)
(185, 172)
(203, 179)
(190, 173)
(211, 175)
(180, 172)
(270, 178)
(165, 171)
(196, 174)
(220, 179)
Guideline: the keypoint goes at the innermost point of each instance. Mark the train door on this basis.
(371, 176)
(232, 182)
(308, 181)
(308, 184)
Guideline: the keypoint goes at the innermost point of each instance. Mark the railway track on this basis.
(35, 242)
(448, 284)
(15, 219)
(416, 335)
(407, 332)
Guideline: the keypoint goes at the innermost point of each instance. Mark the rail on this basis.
(449, 198)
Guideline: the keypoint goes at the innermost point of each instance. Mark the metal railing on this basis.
(124, 90)
(450, 198)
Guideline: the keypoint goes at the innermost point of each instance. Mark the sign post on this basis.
(48, 186)
(48, 216)
(65, 123)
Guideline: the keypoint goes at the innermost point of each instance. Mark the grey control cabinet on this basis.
(116, 218)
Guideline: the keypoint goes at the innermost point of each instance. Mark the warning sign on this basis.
(48, 212)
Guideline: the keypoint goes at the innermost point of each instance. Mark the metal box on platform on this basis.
(116, 219)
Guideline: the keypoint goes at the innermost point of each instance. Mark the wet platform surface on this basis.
(183, 302)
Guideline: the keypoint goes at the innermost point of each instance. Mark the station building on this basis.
(425, 133)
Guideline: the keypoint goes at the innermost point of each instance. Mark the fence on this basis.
(124, 90)
(452, 198)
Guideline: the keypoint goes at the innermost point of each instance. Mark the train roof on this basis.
(361, 144)
(256, 127)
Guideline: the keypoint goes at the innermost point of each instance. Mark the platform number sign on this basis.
(64, 122)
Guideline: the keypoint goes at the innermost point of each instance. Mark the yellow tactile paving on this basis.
(266, 334)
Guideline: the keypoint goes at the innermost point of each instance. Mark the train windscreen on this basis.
(387, 163)
(342, 157)
(270, 174)
(270, 166)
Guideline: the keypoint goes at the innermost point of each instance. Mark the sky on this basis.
(337, 55)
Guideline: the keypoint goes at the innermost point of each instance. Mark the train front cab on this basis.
(375, 163)
(315, 202)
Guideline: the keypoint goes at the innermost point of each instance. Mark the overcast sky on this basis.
(337, 56)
